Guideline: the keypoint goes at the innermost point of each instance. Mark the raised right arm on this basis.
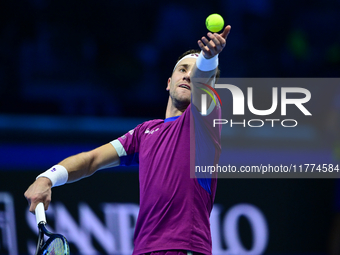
(77, 166)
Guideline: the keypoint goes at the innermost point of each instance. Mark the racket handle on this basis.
(40, 213)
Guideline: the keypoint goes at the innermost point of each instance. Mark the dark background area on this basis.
(108, 58)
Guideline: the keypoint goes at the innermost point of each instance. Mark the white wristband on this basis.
(57, 174)
(206, 64)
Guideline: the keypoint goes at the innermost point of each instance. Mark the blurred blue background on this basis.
(104, 58)
(77, 74)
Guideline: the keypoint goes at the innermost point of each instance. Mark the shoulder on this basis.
(151, 123)
(148, 124)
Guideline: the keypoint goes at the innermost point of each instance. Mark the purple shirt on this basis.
(174, 208)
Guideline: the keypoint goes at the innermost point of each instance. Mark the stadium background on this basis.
(77, 74)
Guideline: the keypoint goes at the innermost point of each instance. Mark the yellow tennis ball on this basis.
(214, 22)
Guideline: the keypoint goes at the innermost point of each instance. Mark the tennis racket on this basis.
(56, 244)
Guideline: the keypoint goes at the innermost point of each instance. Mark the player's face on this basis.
(179, 84)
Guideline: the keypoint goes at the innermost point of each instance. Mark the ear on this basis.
(169, 81)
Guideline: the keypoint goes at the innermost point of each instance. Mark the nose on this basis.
(187, 76)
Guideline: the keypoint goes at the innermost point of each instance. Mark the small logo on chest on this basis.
(150, 132)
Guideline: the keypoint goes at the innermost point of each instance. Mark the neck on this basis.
(172, 111)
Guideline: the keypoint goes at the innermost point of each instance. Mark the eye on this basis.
(182, 70)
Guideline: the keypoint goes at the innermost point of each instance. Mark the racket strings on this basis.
(57, 247)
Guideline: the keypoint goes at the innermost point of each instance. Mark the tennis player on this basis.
(174, 208)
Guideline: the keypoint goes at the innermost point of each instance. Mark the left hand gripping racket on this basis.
(56, 244)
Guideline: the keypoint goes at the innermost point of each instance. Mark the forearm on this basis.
(82, 165)
(203, 76)
(207, 63)
(206, 77)
(79, 166)
(69, 170)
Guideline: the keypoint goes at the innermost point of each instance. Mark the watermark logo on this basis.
(281, 97)
(204, 100)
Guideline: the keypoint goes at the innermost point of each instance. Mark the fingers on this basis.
(35, 201)
(226, 32)
(215, 45)
(209, 48)
(39, 191)
(34, 204)
(217, 42)
(204, 49)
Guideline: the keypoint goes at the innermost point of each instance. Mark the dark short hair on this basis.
(196, 51)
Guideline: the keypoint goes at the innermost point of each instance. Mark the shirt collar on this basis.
(171, 119)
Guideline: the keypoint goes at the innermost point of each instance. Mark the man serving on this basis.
(174, 208)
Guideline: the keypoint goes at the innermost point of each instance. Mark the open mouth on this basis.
(185, 86)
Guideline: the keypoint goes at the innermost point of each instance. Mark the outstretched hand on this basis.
(215, 45)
